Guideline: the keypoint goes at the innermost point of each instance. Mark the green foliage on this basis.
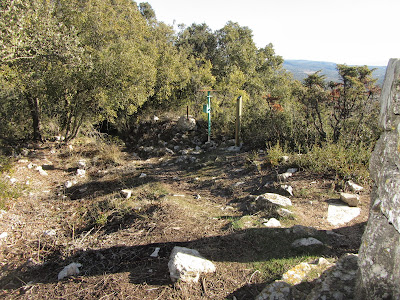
(7, 190)
(275, 154)
(65, 64)
(337, 160)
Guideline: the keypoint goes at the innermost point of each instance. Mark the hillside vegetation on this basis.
(95, 171)
(67, 65)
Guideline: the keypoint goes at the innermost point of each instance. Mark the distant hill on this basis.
(302, 68)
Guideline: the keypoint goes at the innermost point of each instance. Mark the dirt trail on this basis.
(197, 205)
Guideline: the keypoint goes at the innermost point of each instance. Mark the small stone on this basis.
(50, 232)
(187, 264)
(306, 242)
(354, 187)
(41, 171)
(81, 172)
(233, 149)
(292, 170)
(273, 223)
(81, 164)
(3, 235)
(142, 175)
(284, 213)
(268, 199)
(284, 176)
(288, 189)
(351, 199)
(155, 252)
(68, 184)
(126, 193)
(70, 270)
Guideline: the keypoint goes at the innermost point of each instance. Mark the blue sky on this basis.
(343, 31)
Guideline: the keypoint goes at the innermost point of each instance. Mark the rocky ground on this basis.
(182, 193)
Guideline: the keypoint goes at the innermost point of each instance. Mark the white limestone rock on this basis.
(269, 200)
(351, 199)
(41, 171)
(354, 187)
(126, 193)
(81, 164)
(80, 172)
(306, 242)
(287, 189)
(187, 264)
(340, 214)
(273, 223)
(71, 270)
(284, 176)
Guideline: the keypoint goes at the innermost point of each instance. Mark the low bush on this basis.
(335, 159)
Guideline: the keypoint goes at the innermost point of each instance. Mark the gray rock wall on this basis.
(379, 255)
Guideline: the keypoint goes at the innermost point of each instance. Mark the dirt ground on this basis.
(196, 204)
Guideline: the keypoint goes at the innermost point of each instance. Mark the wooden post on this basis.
(238, 117)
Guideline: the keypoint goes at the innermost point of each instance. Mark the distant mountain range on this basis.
(302, 68)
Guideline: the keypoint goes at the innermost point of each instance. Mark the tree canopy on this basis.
(67, 63)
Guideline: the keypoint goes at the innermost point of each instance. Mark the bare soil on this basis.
(192, 204)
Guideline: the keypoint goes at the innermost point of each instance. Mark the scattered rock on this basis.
(233, 149)
(3, 235)
(70, 270)
(187, 264)
(81, 164)
(306, 242)
(339, 214)
(354, 187)
(50, 232)
(68, 184)
(285, 213)
(284, 176)
(142, 175)
(186, 123)
(287, 189)
(351, 199)
(155, 252)
(268, 200)
(126, 193)
(80, 172)
(291, 170)
(273, 223)
(41, 171)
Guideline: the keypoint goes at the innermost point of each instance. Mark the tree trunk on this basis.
(33, 104)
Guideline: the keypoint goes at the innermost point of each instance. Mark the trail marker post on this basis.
(207, 110)
(239, 105)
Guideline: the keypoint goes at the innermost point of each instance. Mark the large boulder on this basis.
(379, 256)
